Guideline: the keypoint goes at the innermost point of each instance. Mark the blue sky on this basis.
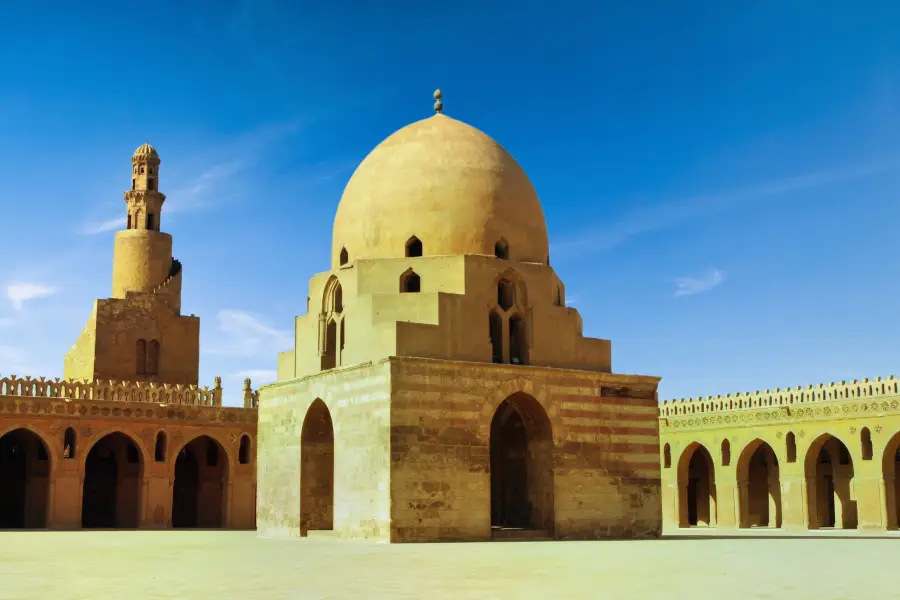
(720, 181)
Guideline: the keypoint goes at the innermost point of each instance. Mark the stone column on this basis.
(870, 503)
(793, 502)
(726, 501)
(66, 489)
(889, 498)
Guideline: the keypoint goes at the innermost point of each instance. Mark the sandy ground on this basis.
(197, 565)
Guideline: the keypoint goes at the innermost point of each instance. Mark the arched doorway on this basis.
(890, 466)
(201, 478)
(760, 486)
(113, 475)
(829, 477)
(24, 480)
(521, 463)
(696, 488)
(317, 469)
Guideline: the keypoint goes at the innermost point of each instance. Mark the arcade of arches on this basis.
(829, 474)
(118, 480)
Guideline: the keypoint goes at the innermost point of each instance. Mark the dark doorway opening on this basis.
(198, 494)
(113, 473)
(24, 480)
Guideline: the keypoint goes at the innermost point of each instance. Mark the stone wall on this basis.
(852, 427)
(605, 446)
(357, 399)
(88, 421)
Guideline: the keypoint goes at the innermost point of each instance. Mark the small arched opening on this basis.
(495, 324)
(410, 283)
(521, 465)
(696, 488)
(828, 468)
(317, 470)
(759, 486)
(667, 456)
(518, 341)
(113, 479)
(726, 453)
(140, 357)
(329, 357)
(344, 257)
(790, 446)
(69, 443)
(501, 249)
(413, 247)
(159, 448)
(865, 440)
(244, 450)
(153, 357)
(24, 480)
(201, 478)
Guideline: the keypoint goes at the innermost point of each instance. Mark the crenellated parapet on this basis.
(117, 391)
(830, 392)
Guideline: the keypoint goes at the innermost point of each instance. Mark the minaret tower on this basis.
(142, 257)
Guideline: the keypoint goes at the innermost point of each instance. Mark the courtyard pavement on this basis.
(200, 565)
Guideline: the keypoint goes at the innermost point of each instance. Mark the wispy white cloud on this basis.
(94, 227)
(572, 299)
(246, 335)
(688, 286)
(18, 293)
(669, 214)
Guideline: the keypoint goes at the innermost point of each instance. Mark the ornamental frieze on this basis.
(131, 411)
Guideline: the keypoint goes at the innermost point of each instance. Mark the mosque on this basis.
(128, 439)
(439, 387)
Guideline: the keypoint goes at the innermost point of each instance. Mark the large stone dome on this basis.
(449, 185)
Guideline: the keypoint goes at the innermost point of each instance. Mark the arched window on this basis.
(159, 451)
(140, 357)
(133, 184)
(501, 249)
(244, 451)
(329, 357)
(557, 301)
(791, 447)
(150, 221)
(413, 247)
(496, 332)
(151, 184)
(410, 282)
(69, 443)
(506, 294)
(726, 453)
(343, 337)
(667, 456)
(518, 343)
(153, 358)
(128, 224)
(865, 437)
(338, 305)
(345, 257)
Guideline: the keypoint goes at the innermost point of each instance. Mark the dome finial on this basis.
(438, 105)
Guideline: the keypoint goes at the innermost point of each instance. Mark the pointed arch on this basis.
(697, 505)
(333, 296)
(413, 247)
(790, 446)
(25, 475)
(511, 290)
(317, 469)
(160, 447)
(829, 471)
(501, 249)
(865, 442)
(759, 482)
(518, 340)
(113, 483)
(495, 325)
(69, 443)
(521, 465)
(410, 282)
(726, 452)
(890, 468)
(244, 450)
(344, 257)
(199, 496)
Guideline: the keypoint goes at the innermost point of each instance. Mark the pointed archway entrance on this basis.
(201, 479)
(829, 476)
(521, 464)
(317, 470)
(760, 486)
(696, 488)
(24, 480)
(113, 477)
(890, 466)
